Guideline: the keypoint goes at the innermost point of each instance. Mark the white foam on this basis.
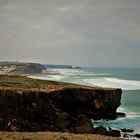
(114, 83)
(69, 72)
(132, 115)
(75, 72)
(47, 77)
(37, 77)
(125, 82)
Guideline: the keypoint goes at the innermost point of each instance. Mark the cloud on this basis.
(89, 26)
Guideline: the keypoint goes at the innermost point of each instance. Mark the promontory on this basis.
(39, 105)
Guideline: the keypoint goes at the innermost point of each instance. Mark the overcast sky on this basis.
(98, 33)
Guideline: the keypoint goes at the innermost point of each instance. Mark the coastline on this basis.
(41, 105)
(37, 105)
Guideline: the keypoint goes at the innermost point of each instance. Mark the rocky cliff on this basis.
(35, 105)
(21, 68)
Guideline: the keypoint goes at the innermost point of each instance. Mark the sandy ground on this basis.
(51, 136)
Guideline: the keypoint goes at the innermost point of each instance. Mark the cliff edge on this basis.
(35, 105)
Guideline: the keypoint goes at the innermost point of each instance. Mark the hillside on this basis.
(20, 68)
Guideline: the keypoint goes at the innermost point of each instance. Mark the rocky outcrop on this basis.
(35, 105)
(21, 68)
(28, 68)
(95, 103)
(33, 68)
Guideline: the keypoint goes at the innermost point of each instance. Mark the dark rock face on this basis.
(101, 130)
(114, 133)
(33, 68)
(63, 121)
(137, 135)
(96, 104)
(120, 115)
(127, 130)
(29, 68)
(82, 124)
(66, 109)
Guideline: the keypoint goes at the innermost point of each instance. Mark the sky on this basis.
(97, 33)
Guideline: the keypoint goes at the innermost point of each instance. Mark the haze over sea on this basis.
(128, 79)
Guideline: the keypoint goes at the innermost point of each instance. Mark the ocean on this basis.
(128, 79)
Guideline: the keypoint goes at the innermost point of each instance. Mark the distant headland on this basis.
(28, 67)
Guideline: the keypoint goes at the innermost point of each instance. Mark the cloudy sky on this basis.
(98, 33)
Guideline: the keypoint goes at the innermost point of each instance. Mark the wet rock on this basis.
(120, 115)
(128, 136)
(114, 133)
(137, 135)
(127, 130)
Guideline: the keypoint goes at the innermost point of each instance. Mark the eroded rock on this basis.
(37, 105)
(83, 125)
(63, 121)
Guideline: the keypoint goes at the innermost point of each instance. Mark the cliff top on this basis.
(26, 84)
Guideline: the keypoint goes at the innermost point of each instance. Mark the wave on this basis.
(47, 77)
(75, 72)
(114, 83)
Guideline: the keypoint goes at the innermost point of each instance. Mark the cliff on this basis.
(35, 105)
(21, 68)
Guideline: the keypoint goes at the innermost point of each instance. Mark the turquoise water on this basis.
(128, 79)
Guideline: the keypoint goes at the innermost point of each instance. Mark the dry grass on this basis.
(51, 136)
(25, 83)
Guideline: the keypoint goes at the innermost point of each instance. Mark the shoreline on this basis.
(37, 105)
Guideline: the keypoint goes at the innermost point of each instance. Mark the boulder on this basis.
(83, 125)
(101, 130)
(114, 133)
(137, 135)
(63, 121)
(128, 136)
(120, 115)
(127, 130)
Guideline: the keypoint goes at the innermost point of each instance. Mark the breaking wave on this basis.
(47, 77)
(114, 83)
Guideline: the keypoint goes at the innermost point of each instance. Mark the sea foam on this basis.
(114, 83)
(47, 77)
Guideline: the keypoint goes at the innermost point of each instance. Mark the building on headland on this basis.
(7, 69)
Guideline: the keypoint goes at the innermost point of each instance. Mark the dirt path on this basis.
(51, 136)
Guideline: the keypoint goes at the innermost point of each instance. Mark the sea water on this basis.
(128, 79)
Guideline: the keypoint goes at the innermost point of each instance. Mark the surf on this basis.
(113, 82)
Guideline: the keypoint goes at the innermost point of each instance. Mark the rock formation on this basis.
(21, 68)
(35, 105)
